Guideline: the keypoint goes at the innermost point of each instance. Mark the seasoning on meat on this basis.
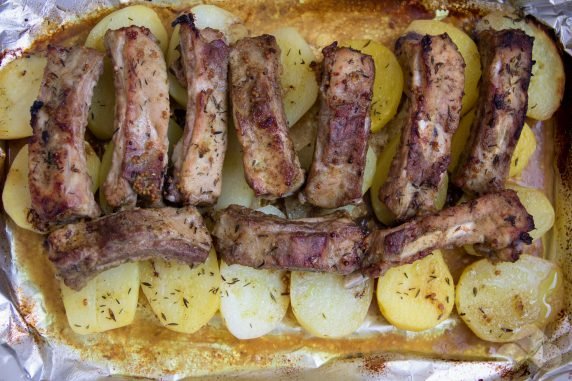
(336, 175)
(60, 185)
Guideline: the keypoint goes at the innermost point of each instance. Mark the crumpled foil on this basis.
(25, 353)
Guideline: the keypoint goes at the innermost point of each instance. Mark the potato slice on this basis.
(253, 302)
(468, 50)
(108, 301)
(460, 139)
(547, 83)
(537, 205)
(417, 296)
(324, 307)
(508, 301)
(174, 134)
(525, 148)
(298, 80)
(184, 298)
(101, 117)
(388, 84)
(16, 196)
(177, 91)
(369, 171)
(15, 100)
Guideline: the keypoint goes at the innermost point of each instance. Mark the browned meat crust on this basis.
(497, 224)
(199, 155)
(435, 79)
(336, 175)
(81, 251)
(506, 58)
(330, 244)
(141, 118)
(271, 166)
(60, 185)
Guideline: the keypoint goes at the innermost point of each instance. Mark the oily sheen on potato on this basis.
(537, 205)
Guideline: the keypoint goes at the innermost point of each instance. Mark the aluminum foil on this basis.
(29, 350)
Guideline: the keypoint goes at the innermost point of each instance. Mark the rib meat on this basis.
(435, 79)
(141, 118)
(60, 185)
(329, 244)
(336, 175)
(81, 251)
(271, 166)
(199, 155)
(496, 223)
(506, 58)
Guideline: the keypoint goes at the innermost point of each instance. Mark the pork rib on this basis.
(336, 175)
(329, 244)
(60, 185)
(271, 166)
(496, 223)
(141, 119)
(435, 79)
(506, 58)
(81, 251)
(199, 155)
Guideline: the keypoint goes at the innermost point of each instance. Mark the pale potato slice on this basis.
(298, 80)
(174, 134)
(177, 91)
(324, 307)
(16, 193)
(460, 139)
(184, 298)
(101, 117)
(138, 15)
(103, 171)
(467, 48)
(253, 301)
(525, 148)
(547, 83)
(537, 205)
(442, 193)
(388, 84)
(369, 170)
(272, 210)
(108, 301)
(508, 301)
(20, 82)
(417, 296)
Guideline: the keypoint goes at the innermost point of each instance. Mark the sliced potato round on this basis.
(382, 171)
(388, 84)
(253, 301)
(538, 206)
(174, 134)
(442, 193)
(138, 15)
(184, 298)
(467, 48)
(298, 80)
(20, 82)
(324, 307)
(369, 171)
(508, 301)
(460, 139)
(16, 196)
(272, 210)
(417, 296)
(108, 301)
(101, 118)
(525, 148)
(177, 91)
(547, 83)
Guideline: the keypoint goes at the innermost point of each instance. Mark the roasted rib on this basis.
(271, 166)
(506, 58)
(199, 155)
(141, 118)
(336, 175)
(435, 79)
(496, 223)
(81, 251)
(60, 185)
(330, 244)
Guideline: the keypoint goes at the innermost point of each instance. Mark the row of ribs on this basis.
(496, 223)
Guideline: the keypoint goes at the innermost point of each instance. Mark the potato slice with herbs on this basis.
(508, 301)
(16, 100)
(369, 171)
(468, 50)
(537, 205)
(184, 298)
(16, 196)
(417, 296)
(546, 87)
(325, 307)
(253, 301)
(108, 301)
(388, 84)
(298, 80)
